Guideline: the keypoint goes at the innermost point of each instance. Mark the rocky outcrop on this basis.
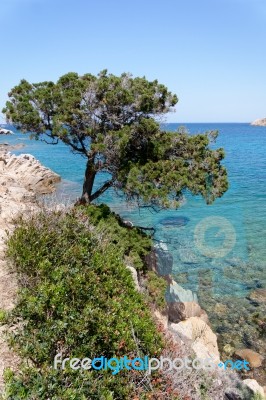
(259, 122)
(195, 332)
(21, 178)
(5, 132)
(183, 304)
(180, 311)
(254, 387)
(28, 173)
(184, 317)
(258, 296)
(254, 359)
(163, 260)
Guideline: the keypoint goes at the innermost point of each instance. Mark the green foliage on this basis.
(76, 298)
(131, 243)
(156, 286)
(257, 396)
(111, 121)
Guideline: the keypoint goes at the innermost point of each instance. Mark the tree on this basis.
(113, 122)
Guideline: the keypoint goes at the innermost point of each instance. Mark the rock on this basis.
(5, 132)
(176, 293)
(182, 304)
(259, 122)
(253, 385)
(228, 349)
(21, 178)
(128, 223)
(134, 276)
(258, 296)
(30, 173)
(178, 311)
(176, 221)
(7, 146)
(161, 318)
(163, 259)
(200, 337)
(254, 359)
(231, 395)
(220, 309)
(151, 260)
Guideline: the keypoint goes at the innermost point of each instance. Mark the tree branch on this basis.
(102, 189)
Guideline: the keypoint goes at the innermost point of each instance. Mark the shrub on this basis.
(77, 298)
(156, 286)
(130, 242)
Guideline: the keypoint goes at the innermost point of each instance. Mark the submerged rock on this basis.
(254, 359)
(258, 296)
(174, 221)
(220, 309)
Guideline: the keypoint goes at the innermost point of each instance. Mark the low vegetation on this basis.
(77, 298)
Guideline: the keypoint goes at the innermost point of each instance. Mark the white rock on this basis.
(259, 122)
(199, 335)
(254, 386)
(5, 132)
(134, 276)
(176, 293)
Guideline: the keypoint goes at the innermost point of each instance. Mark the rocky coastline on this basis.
(189, 323)
(5, 132)
(22, 179)
(259, 122)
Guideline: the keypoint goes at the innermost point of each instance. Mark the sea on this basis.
(218, 250)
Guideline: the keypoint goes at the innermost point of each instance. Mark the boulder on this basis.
(259, 122)
(5, 132)
(30, 173)
(254, 359)
(164, 259)
(258, 296)
(182, 304)
(176, 293)
(255, 388)
(199, 335)
(178, 311)
(220, 309)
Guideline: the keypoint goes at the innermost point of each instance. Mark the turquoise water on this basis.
(243, 206)
(219, 250)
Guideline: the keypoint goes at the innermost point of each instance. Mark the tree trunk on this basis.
(88, 183)
(87, 195)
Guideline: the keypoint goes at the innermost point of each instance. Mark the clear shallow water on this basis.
(196, 234)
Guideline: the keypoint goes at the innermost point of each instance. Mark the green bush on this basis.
(131, 243)
(156, 286)
(77, 298)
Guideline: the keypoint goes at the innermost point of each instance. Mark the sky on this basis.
(211, 53)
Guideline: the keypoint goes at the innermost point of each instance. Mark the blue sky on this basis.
(211, 53)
